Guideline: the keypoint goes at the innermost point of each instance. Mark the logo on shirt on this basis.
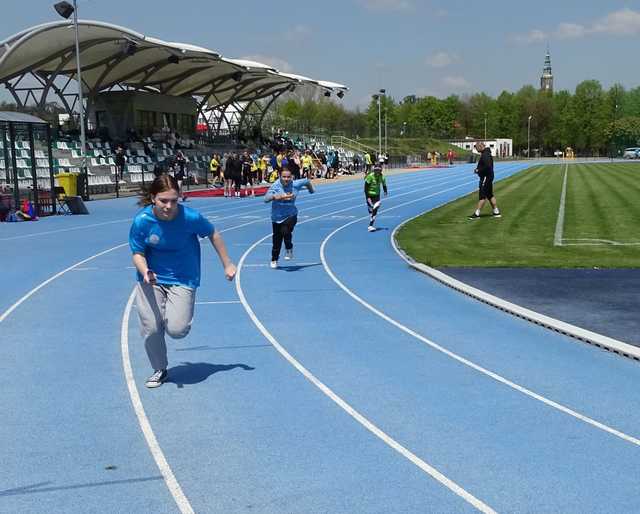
(154, 239)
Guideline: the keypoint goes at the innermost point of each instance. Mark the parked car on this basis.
(631, 153)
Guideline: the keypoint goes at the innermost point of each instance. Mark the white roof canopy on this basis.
(112, 55)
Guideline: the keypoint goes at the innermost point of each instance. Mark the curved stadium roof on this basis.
(112, 55)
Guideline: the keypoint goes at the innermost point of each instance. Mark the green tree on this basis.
(590, 108)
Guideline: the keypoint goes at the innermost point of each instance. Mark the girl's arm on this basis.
(221, 250)
(140, 262)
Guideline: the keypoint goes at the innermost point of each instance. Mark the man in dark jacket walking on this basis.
(484, 170)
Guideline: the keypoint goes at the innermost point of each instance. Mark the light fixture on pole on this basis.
(65, 9)
(529, 137)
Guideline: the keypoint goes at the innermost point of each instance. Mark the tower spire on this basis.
(546, 80)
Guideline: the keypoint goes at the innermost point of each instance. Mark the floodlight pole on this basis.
(382, 92)
(386, 141)
(379, 129)
(529, 137)
(83, 138)
(485, 127)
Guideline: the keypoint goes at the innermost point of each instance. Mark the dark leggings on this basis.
(373, 211)
(283, 231)
(237, 181)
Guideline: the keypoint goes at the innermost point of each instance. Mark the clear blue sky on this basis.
(407, 46)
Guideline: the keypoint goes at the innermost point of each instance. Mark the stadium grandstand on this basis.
(151, 96)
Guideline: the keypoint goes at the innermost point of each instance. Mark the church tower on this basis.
(546, 81)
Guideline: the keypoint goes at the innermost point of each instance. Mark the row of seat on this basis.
(25, 173)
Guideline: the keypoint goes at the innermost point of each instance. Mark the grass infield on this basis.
(601, 222)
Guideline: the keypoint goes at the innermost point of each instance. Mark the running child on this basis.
(284, 213)
(166, 253)
(372, 183)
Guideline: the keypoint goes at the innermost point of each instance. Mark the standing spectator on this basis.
(293, 164)
(323, 164)
(279, 157)
(450, 156)
(214, 167)
(120, 160)
(263, 168)
(228, 175)
(307, 165)
(367, 162)
(484, 170)
(234, 167)
(247, 175)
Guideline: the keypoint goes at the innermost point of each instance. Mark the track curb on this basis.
(586, 336)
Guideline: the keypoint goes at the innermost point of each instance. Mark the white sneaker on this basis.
(273, 265)
(288, 255)
(371, 228)
(157, 379)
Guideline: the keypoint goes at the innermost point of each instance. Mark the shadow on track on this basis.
(38, 487)
(191, 373)
(298, 267)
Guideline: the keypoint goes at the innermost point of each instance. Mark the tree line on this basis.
(591, 120)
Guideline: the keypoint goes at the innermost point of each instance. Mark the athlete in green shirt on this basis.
(372, 183)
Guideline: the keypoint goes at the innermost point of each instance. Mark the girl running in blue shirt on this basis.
(166, 253)
(284, 213)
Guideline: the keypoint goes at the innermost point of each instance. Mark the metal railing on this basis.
(352, 144)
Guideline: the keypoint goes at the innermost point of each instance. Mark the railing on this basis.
(352, 144)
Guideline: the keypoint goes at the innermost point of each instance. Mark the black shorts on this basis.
(485, 188)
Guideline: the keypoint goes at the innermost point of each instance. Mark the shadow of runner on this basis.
(195, 372)
(39, 487)
(298, 267)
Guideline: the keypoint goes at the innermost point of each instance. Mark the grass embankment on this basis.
(413, 146)
(601, 226)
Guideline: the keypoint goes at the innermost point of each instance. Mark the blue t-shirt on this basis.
(171, 247)
(283, 209)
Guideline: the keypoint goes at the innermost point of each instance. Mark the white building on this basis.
(500, 147)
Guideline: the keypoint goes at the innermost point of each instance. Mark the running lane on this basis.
(528, 419)
(75, 442)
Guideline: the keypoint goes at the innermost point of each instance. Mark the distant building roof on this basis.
(19, 117)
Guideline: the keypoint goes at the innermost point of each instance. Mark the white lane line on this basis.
(80, 263)
(69, 229)
(218, 303)
(459, 358)
(557, 238)
(129, 304)
(157, 453)
(409, 178)
(52, 278)
(431, 471)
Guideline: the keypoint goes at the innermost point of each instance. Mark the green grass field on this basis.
(601, 225)
(412, 146)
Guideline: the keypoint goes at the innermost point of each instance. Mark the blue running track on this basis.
(342, 382)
